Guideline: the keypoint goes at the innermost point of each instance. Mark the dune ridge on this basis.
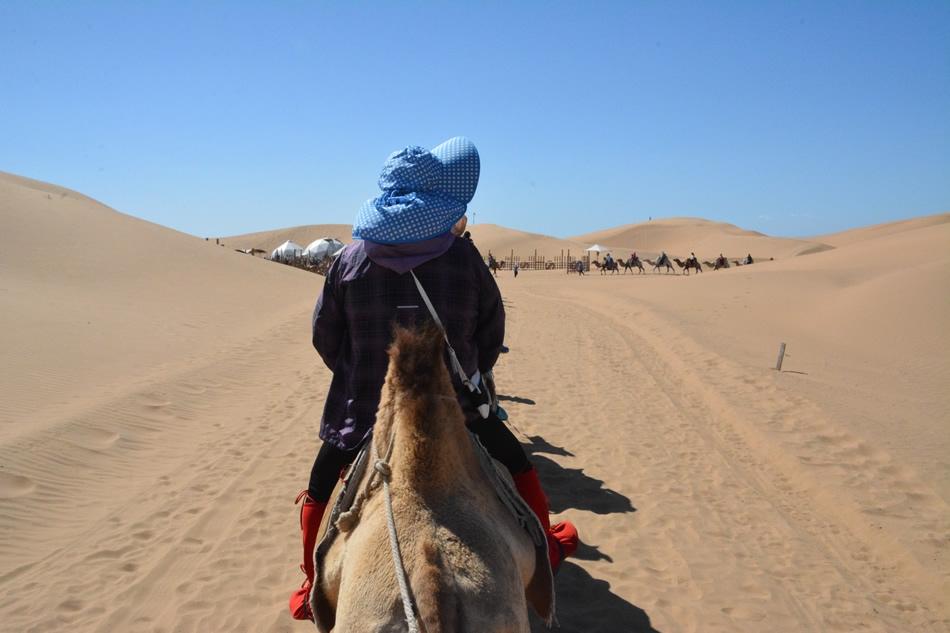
(677, 236)
(681, 236)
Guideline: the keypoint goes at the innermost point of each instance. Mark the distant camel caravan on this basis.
(469, 564)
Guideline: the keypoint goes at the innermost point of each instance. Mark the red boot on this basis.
(562, 537)
(311, 513)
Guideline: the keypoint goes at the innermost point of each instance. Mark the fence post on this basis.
(781, 357)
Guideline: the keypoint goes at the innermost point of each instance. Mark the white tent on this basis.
(287, 250)
(596, 248)
(325, 247)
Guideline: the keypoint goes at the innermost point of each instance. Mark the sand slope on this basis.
(303, 235)
(844, 238)
(681, 236)
(159, 401)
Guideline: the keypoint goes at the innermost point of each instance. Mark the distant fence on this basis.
(537, 261)
(305, 263)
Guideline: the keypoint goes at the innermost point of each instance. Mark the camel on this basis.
(664, 260)
(469, 564)
(631, 263)
(721, 262)
(689, 263)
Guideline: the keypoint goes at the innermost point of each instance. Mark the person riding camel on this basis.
(748, 259)
(692, 258)
(403, 239)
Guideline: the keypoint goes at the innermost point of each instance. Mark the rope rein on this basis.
(384, 470)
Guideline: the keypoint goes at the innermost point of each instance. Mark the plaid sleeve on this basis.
(490, 331)
(329, 323)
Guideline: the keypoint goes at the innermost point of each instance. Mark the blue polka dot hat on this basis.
(425, 192)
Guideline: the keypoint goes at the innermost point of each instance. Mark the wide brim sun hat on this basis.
(425, 192)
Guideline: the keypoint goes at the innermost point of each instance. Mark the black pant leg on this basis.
(501, 443)
(326, 470)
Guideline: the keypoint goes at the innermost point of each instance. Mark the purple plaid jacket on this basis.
(360, 302)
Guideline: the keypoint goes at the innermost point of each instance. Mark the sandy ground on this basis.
(158, 413)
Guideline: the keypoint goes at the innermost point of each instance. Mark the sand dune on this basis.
(303, 235)
(681, 236)
(844, 238)
(489, 238)
(159, 402)
(501, 241)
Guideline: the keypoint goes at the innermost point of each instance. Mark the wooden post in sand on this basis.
(781, 357)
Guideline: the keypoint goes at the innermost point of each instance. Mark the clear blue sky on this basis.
(216, 118)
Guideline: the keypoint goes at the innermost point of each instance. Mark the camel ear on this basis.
(540, 589)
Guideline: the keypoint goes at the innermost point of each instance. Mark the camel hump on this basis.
(416, 356)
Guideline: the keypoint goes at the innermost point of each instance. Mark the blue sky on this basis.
(218, 118)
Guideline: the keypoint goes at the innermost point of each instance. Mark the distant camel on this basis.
(469, 563)
(689, 263)
(721, 262)
(631, 263)
(603, 267)
(664, 260)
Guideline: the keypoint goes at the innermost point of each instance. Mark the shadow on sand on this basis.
(584, 603)
(502, 397)
(587, 605)
(571, 487)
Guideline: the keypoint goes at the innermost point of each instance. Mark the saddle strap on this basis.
(453, 358)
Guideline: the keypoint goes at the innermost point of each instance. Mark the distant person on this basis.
(516, 268)
(748, 259)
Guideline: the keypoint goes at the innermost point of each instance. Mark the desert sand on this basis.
(159, 407)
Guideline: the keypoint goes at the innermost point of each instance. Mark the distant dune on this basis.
(882, 230)
(677, 236)
(160, 401)
(681, 236)
(303, 235)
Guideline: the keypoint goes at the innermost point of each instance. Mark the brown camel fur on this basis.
(470, 565)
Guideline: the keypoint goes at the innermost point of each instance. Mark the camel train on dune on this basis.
(424, 498)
